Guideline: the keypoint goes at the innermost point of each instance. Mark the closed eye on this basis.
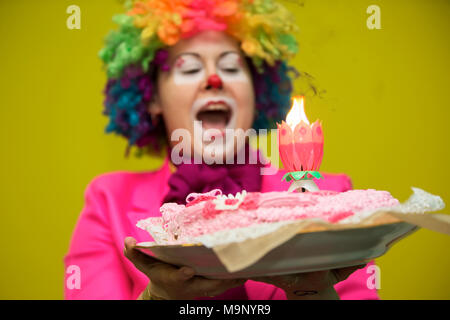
(231, 70)
(191, 71)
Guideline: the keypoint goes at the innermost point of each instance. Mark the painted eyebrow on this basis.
(198, 56)
(227, 52)
(186, 53)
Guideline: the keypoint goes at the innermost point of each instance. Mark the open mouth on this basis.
(215, 115)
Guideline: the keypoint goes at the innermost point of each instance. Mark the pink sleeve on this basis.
(93, 254)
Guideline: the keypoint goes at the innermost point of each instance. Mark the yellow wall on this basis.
(385, 118)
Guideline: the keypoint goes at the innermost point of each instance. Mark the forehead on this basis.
(207, 43)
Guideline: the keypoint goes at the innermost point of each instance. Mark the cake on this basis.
(210, 212)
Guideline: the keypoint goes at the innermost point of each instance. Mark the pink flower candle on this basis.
(301, 147)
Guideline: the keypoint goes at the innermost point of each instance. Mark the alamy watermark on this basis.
(73, 280)
(374, 20)
(374, 280)
(214, 146)
(74, 20)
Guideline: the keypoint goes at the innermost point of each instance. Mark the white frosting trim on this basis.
(220, 202)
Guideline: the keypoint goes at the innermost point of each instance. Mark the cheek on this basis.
(241, 86)
(176, 107)
(245, 97)
(239, 77)
(176, 95)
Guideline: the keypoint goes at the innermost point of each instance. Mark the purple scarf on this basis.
(200, 178)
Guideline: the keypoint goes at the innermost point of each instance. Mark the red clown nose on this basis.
(214, 81)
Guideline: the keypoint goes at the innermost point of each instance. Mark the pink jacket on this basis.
(116, 201)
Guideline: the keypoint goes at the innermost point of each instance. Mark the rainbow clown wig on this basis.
(133, 54)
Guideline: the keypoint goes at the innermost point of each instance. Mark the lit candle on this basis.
(300, 145)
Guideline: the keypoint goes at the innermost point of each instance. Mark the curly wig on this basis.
(135, 53)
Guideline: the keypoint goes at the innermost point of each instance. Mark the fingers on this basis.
(157, 271)
(276, 280)
(171, 281)
(140, 260)
(181, 274)
(315, 278)
(213, 287)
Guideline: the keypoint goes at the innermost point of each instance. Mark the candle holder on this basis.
(302, 179)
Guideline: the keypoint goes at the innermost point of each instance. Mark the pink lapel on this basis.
(149, 190)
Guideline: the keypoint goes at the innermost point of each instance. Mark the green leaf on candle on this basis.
(298, 175)
(301, 175)
(287, 177)
(316, 174)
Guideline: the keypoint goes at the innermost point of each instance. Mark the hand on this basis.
(171, 282)
(311, 285)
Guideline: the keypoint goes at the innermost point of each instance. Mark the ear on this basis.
(155, 108)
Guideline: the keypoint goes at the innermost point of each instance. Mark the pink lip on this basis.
(214, 102)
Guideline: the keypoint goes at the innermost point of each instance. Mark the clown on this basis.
(170, 64)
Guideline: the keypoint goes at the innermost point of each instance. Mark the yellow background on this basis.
(385, 116)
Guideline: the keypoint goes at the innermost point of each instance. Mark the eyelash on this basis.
(230, 70)
(191, 71)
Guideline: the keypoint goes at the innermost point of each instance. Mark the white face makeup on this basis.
(184, 96)
(188, 69)
(230, 68)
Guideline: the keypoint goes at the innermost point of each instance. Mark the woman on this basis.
(204, 65)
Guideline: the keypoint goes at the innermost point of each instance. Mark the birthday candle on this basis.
(300, 143)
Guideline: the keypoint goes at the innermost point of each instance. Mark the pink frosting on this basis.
(203, 216)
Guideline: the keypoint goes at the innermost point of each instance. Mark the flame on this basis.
(296, 113)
